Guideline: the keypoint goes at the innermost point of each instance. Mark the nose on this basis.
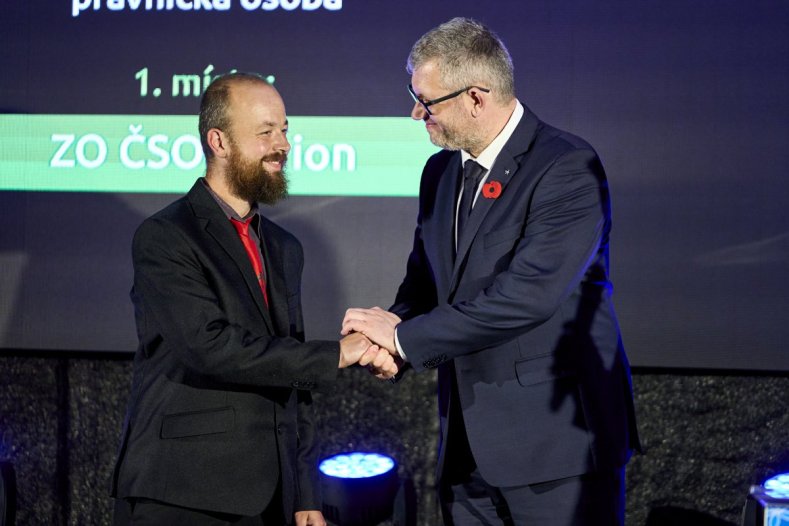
(282, 145)
(418, 112)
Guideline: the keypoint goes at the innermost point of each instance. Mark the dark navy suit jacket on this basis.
(524, 310)
(220, 406)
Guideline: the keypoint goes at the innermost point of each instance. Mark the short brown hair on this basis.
(215, 102)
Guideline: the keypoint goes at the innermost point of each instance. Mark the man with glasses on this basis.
(506, 293)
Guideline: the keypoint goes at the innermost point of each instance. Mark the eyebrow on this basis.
(272, 124)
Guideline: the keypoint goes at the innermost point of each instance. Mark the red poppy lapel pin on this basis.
(491, 190)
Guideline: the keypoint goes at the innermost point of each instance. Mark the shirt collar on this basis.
(226, 208)
(489, 154)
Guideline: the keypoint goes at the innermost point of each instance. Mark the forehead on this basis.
(253, 103)
(426, 80)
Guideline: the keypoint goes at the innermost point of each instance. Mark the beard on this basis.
(457, 133)
(251, 181)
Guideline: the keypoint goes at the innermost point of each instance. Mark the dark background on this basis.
(685, 102)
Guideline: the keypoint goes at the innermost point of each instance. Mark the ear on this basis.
(479, 100)
(218, 142)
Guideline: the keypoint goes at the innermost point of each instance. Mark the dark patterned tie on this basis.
(472, 173)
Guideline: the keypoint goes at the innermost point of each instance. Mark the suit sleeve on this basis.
(177, 301)
(563, 231)
(417, 293)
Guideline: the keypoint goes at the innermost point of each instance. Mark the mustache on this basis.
(275, 157)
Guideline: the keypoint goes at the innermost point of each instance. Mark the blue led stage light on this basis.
(768, 504)
(356, 465)
(358, 488)
(777, 486)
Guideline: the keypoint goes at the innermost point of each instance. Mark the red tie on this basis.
(242, 227)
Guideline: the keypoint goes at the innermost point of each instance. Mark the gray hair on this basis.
(215, 103)
(466, 53)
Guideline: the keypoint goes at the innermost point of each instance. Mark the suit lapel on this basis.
(504, 169)
(219, 228)
(275, 276)
(440, 233)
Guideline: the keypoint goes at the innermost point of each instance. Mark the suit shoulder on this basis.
(559, 140)
(567, 158)
(168, 224)
(169, 213)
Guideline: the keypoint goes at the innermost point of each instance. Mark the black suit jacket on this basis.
(220, 405)
(523, 309)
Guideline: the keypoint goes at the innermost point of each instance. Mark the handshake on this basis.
(369, 340)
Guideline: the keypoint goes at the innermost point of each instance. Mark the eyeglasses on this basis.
(427, 103)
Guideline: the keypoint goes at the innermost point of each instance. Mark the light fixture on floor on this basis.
(768, 504)
(358, 488)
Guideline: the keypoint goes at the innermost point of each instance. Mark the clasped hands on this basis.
(369, 340)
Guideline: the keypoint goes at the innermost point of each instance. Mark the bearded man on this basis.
(219, 427)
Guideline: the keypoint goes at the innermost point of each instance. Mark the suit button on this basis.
(279, 428)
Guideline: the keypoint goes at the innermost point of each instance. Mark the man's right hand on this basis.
(357, 348)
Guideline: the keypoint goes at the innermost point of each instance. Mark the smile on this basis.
(274, 165)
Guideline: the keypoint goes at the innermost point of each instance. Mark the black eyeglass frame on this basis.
(427, 103)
